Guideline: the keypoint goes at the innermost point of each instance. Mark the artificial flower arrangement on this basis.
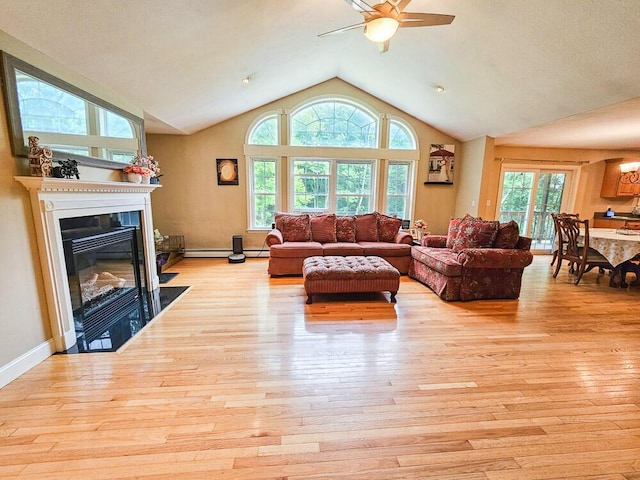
(419, 224)
(145, 166)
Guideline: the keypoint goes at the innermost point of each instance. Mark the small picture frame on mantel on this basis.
(441, 162)
(227, 169)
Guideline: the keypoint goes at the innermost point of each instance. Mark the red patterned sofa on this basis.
(297, 237)
(476, 260)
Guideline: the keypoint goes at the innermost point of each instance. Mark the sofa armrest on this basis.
(437, 241)
(274, 237)
(494, 258)
(403, 237)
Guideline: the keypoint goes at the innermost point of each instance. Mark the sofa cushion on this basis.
(295, 250)
(342, 248)
(294, 228)
(475, 234)
(388, 227)
(323, 228)
(367, 228)
(443, 260)
(346, 229)
(385, 249)
(454, 228)
(507, 236)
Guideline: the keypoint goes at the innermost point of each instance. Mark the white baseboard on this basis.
(211, 253)
(25, 362)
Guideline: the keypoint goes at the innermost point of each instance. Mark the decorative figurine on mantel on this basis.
(40, 159)
(67, 169)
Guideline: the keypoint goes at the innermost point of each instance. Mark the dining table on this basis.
(617, 247)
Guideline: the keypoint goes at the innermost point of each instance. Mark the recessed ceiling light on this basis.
(439, 88)
(246, 80)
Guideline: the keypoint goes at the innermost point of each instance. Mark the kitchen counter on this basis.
(618, 216)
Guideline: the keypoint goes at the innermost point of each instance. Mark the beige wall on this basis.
(24, 322)
(470, 177)
(191, 202)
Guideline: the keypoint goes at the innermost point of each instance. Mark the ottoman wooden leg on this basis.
(393, 297)
(309, 299)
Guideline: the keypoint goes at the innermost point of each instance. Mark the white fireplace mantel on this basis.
(53, 199)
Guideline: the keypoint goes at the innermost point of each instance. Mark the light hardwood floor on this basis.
(240, 379)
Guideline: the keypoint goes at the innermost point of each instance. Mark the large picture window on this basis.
(335, 161)
(354, 183)
(340, 186)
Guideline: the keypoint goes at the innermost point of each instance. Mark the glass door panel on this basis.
(529, 197)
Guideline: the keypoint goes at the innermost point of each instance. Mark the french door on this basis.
(530, 195)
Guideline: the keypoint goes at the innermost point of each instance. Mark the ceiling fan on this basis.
(382, 20)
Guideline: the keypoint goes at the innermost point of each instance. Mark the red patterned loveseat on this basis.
(476, 260)
(297, 237)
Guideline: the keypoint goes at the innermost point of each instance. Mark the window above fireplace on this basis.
(74, 123)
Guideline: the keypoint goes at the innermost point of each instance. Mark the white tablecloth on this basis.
(616, 247)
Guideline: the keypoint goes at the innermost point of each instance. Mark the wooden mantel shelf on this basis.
(50, 184)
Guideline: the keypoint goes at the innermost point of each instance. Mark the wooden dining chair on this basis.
(554, 216)
(581, 258)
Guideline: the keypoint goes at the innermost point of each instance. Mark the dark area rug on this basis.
(166, 277)
(169, 294)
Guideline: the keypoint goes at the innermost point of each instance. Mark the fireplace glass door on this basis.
(104, 281)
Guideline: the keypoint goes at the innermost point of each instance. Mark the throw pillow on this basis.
(294, 228)
(475, 234)
(454, 228)
(388, 227)
(507, 236)
(323, 228)
(366, 228)
(346, 229)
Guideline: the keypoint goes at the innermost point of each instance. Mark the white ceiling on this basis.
(554, 73)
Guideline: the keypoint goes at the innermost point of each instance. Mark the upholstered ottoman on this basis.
(333, 274)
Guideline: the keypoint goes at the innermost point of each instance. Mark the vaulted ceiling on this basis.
(554, 73)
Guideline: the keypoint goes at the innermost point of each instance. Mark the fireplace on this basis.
(96, 248)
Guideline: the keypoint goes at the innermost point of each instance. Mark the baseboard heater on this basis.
(223, 253)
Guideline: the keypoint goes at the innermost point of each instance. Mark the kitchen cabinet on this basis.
(607, 223)
(616, 184)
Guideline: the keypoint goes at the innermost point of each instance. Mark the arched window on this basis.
(401, 136)
(334, 123)
(265, 131)
(331, 159)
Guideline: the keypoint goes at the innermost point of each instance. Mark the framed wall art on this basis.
(227, 169)
(441, 161)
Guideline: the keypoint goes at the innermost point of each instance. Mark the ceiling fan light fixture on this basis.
(381, 29)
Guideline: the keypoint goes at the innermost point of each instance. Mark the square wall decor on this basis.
(441, 160)
(227, 169)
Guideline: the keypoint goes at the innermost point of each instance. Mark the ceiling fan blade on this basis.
(343, 29)
(424, 19)
(399, 5)
(360, 5)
